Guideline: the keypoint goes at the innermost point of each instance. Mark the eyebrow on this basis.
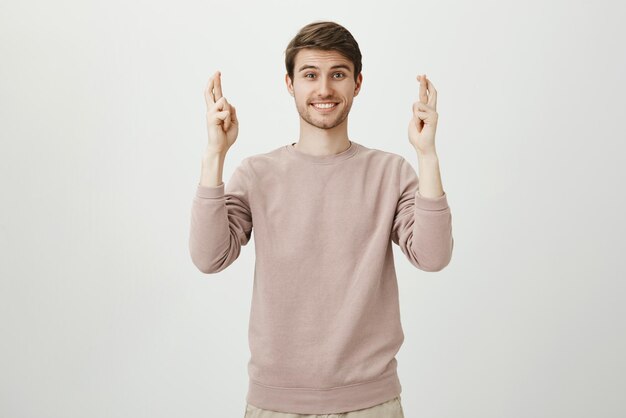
(304, 67)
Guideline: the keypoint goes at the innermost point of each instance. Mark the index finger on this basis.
(432, 94)
(423, 87)
(218, 86)
(208, 92)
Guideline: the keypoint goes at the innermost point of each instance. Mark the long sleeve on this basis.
(422, 227)
(325, 323)
(221, 222)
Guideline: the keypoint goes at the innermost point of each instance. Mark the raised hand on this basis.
(221, 117)
(423, 124)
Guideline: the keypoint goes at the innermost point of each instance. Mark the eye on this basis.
(341, 74)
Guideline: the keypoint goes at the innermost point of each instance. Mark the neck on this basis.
(316, 141)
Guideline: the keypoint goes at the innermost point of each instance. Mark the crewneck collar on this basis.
(323, 159)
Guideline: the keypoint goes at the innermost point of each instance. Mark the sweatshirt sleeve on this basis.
(221, 222)
(422, 227)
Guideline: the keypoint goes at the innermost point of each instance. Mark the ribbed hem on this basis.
(323, 159)
(431, 203)
(325, 401)
(210, 192)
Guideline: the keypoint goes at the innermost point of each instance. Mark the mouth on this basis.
(325, 107)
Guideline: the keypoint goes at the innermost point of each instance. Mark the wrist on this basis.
(427, 155)
(214, 156)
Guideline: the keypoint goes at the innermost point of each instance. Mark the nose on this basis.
(324, 88)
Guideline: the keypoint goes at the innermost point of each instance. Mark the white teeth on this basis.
(324, 105)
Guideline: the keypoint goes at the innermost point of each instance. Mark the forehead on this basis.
(320, 58)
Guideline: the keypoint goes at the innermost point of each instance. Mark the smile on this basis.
(324, 107)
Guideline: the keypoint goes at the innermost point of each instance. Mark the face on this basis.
(323, 77)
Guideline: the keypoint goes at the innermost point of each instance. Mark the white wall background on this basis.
(102, 312)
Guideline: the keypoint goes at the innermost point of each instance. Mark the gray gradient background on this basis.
(102, 123)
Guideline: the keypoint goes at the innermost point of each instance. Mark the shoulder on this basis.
(260, 162)
(257, 164)
(389, 159)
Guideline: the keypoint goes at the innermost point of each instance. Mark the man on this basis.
(325, 320)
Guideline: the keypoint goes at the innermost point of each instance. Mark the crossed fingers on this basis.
(213, 96)
(427, 94)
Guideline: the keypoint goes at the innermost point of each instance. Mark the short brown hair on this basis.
(326, 36)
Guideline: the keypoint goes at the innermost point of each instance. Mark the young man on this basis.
(325, 321)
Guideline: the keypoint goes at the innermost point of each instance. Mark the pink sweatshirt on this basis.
(325, 321)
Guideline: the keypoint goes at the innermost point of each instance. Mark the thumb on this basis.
(221, 116)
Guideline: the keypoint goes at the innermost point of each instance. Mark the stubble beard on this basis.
(323, 121)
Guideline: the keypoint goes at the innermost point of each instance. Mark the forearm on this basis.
(221, 218)
(429, 176)
(212, 169)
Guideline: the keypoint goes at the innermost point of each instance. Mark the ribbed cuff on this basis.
(210, 192)
(431, 203)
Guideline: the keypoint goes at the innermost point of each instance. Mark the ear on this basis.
(359, 81)
(289, 83)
